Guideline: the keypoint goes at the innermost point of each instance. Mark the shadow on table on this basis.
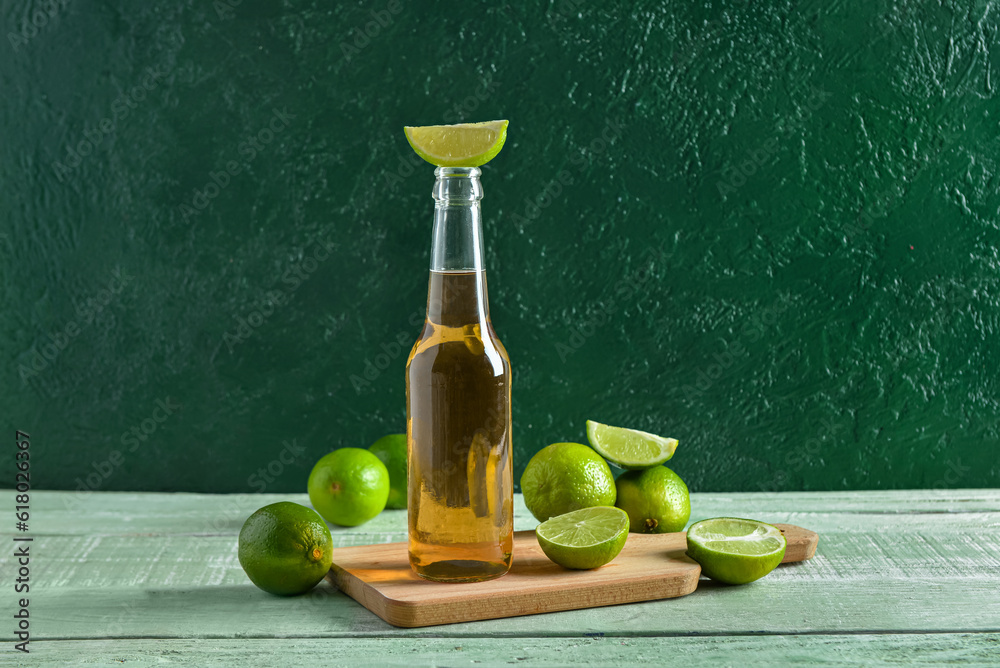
(226, 598)
(245, 610)
(706, 584)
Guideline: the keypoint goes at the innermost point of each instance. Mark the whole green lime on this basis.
(285, 548)
(349, 486)
(656, 500)
(391, 451)
(564, 477)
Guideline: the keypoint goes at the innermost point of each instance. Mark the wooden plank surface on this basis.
(896, 565)
(966, 650)
(88, 513)
(649, 568)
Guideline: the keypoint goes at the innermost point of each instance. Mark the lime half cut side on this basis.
(584, 539)
(735, 551)
(462, 145)
(630, 448)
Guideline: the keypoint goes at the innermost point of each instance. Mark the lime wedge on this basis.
(462, 145)
(629, 448)
(735, 551)
(584, 539)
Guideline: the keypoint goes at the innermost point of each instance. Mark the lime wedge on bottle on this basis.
(462, 145)
(735, 551)
(629, 448)
(584, 539)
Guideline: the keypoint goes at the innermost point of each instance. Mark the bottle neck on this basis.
(456, 242)
(457, 291)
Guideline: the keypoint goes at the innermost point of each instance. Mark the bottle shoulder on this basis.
(474, 346)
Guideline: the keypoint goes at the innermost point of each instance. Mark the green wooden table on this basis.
(152, 579)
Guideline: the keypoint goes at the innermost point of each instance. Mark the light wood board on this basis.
(650, 567)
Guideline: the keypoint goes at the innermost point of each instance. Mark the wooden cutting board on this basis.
(650, 567)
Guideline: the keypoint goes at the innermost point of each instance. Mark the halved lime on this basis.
(735, 551)
(462, 145)
(584, 539)
(630, 448)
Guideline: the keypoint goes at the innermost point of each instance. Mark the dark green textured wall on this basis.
(767, 229)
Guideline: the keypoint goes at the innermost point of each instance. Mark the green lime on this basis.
(656, 500)
(735, 551)
(584, 539)
(564, 477)
(629, 448)
(349, 486)
(285, 548)
(461, 145)
(391, 451)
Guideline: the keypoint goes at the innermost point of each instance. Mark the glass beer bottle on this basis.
(458, 405)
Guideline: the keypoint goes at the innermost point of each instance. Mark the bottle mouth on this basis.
(459, 186)
(457, 172)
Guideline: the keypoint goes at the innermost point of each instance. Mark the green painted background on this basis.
(767, 229)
